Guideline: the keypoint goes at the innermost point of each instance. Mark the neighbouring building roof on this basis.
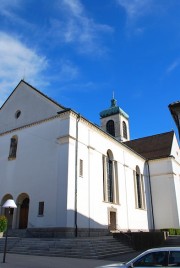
(175, 104)
(153, 147)
(175, 110)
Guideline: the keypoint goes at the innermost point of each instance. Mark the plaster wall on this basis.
(164, 194)
(36, 108)
(92, 209)
(36, 170)
(45, 169)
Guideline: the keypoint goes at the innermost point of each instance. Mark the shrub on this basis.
(3, 223)
(172, 231)
(177, 231)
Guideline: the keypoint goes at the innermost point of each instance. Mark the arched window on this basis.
(110, 127)
(110, 191)
(110, 179)
(13, 147)
(124, 130)
(139, 189)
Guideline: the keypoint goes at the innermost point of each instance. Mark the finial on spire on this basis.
(113, 101)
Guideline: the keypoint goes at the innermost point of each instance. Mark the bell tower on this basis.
(115, 122)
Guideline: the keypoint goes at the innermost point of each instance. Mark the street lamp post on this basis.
(8, 204)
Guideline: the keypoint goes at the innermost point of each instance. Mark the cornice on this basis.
(70, 112)
(63, 114)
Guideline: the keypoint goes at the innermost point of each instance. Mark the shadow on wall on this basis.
(148, 197)
(78, 225)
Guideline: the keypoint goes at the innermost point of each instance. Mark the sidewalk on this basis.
(29, 261)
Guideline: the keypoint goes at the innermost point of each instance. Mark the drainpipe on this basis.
(150, 191)
(76, 175)
(127, 210)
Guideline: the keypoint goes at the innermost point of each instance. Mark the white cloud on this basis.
(17, 61)
(68, 71)
(135, 8)
(7, 7)
(9, 11)
(78, 28)
(75, 7)
(173, 66)
(9, 4)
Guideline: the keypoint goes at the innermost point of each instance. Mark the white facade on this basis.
(58, 176)
(165, 182)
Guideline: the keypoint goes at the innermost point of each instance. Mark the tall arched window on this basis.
(110, 127)
(139, 189)
(110, 179)
(124, 130)
(13, 147)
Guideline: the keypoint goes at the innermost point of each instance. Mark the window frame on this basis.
(41, 209)
(125, 135)
(110, 127)
(139, 189)
(13, 147)
(152, 259)
(174, 262)
(110, 179)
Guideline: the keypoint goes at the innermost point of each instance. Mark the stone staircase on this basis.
(172, 241)
(90, 248)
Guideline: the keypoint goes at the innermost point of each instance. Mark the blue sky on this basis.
(79, 52)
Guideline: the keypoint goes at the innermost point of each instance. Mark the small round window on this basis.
(17, 114)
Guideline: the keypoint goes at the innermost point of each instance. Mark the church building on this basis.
(72, 177)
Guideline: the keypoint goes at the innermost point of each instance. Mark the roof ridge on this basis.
(37, 90)
(159, 134)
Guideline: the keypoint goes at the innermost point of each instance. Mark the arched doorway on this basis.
(6, 211)
(23, 201)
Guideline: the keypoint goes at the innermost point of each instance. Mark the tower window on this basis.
(110, 127)
(124, 130)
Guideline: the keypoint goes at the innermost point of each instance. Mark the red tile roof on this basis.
(153, 147)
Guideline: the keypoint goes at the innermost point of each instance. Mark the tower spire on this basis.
(113, 101)
(115, 121)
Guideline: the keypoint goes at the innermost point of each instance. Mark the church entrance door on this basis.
(112, 224)
(24, 210)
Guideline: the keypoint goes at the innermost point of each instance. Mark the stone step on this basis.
(172, 240)
(78, 248)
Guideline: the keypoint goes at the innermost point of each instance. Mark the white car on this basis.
(156, 257)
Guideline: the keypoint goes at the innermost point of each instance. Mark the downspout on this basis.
(76, 174)
(150, 191)
(127, 210)
(89, 196)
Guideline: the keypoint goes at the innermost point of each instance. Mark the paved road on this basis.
(28, 261)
